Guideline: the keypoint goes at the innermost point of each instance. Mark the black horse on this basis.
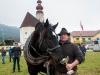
(42, 46)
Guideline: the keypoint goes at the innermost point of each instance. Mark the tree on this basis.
(11, 42)
(3, 44)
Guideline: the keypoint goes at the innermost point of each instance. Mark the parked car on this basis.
(86, 46)
(90, 46)
(96, 47)
(8, 47)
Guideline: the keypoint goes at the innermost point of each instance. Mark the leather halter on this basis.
(49, 50)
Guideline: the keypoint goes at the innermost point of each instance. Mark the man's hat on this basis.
(64, 31)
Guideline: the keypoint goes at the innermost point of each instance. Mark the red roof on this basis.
(84, 33)
(29, 20)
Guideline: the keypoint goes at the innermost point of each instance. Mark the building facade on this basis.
(29, 23)
(84, 36)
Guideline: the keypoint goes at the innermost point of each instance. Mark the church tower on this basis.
(39, 12)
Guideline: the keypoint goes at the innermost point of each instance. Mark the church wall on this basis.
(25, 33)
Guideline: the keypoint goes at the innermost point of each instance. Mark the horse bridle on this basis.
(49, 50)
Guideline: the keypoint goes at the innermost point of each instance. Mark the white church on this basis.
(29, 22)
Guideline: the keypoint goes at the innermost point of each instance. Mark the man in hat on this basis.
(72, 51)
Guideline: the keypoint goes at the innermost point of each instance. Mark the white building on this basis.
(29, 23)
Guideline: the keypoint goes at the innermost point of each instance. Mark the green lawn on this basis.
(91, 66)
(6, 69)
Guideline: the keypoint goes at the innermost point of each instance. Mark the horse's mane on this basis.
(39, 28)
(36, 34)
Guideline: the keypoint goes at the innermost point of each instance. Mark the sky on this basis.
(68, 13)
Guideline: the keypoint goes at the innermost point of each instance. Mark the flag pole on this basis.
(80, 37)
(80, 32)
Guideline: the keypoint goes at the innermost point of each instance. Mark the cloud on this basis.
(68, 13)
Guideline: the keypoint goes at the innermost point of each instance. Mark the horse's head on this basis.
(43, 41)
(48, 42)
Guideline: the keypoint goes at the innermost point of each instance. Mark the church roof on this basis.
(29, 21)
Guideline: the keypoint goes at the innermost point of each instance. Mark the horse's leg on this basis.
(41, 68)
(32, 69)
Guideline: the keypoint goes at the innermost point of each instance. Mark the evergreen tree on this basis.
(3, 44)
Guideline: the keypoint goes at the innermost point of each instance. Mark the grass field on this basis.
(91, 66)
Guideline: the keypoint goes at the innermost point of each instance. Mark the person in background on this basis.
(3, 54)
(83, 50)
(72, 51)
(16, 53)
(10, 54)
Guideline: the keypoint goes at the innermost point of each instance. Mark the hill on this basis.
(9, 31)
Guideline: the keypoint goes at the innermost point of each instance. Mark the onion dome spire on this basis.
(39, 7)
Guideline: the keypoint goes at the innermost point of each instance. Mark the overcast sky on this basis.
(68, 13)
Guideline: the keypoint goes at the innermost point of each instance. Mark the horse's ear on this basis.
(54, 27)
(46, 23)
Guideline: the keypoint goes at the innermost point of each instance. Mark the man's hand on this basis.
(69, 66)
(48, 63)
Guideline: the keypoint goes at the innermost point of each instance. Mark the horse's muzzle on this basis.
(57, 56)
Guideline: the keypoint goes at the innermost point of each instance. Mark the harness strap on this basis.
(53, 48)
(33, 60)
(36, 51)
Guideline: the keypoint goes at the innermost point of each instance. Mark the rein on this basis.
(48, 50)
(36, 51)
(52, 49)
